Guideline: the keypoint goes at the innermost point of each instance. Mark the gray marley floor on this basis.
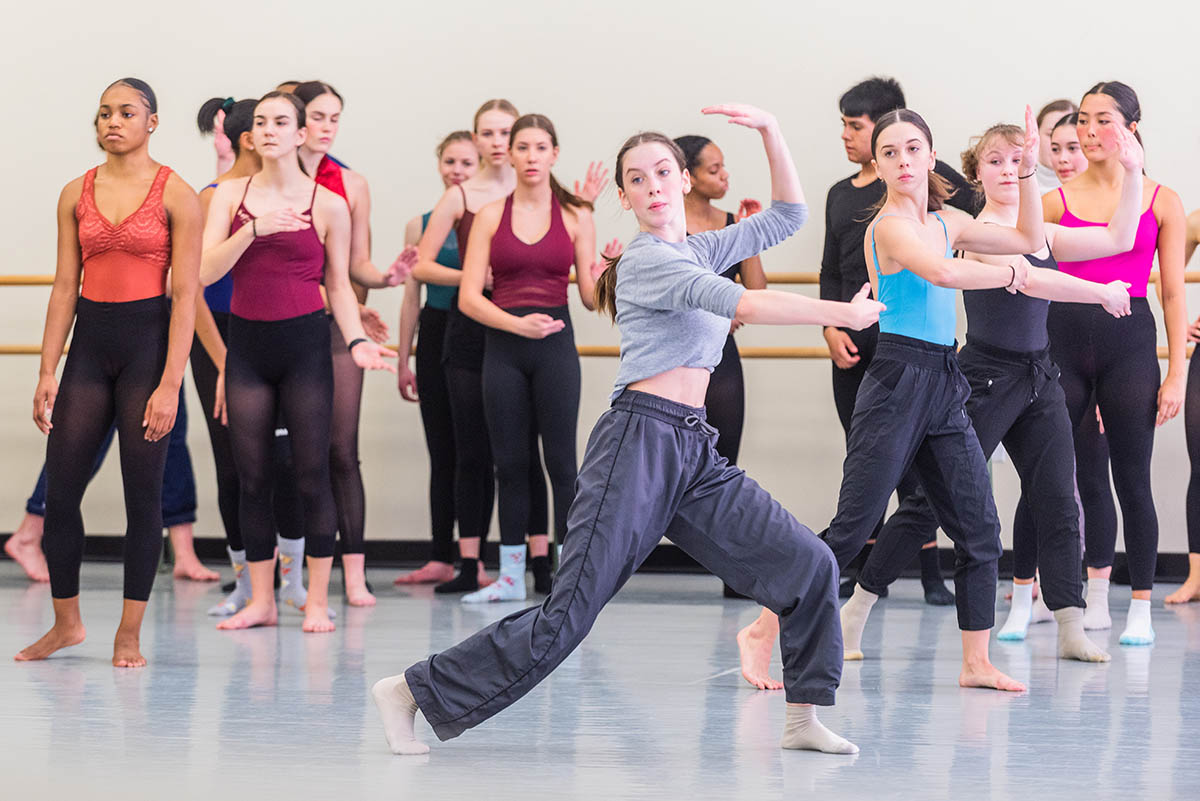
(651, 706)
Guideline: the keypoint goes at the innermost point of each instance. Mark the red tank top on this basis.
(535, 274)
(279, 276)
(329, 175)
(125, 262)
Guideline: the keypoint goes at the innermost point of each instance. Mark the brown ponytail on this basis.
(542, 123)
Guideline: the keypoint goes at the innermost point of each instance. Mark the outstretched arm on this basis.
(1095, 242)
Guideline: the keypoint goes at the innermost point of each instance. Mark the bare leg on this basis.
(755, 645)
(428, 573)
(127, 651)
(187, 565)
(1190, 591)
(977, 668)
(261, 610)
(354, 573)
(316, 610)
(68, 630)
(25, 548)
(539, 545)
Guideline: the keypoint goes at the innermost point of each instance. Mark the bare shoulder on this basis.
(575, 216)
(179, 197)
(955, 219)
(412, 231)
(1167, 200)
(330, 205)
(70, 194)
(1193, 225)
(490, 214)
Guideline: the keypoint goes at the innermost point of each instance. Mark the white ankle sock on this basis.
(1019, 615)
(399, 710)
(802, 731)
(1096, 615)
(511, 584)
(1073, 643)
(854, 619)
(240, 596)
(1041, 612)
(1138, 630)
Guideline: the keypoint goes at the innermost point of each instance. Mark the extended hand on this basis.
(373, 324)
(593, 183)
(746, 208)
(743, 114)
(402, 267)
(370, 356)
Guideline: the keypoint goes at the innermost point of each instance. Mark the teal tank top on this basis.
(436, 295)
(915, 307)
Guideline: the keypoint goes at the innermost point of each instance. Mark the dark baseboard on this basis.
(1172, 567)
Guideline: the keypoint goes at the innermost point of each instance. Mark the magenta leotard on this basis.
(1132, 266)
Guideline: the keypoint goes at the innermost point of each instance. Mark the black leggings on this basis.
(344, 471)
(1117, 359)
(289, 511)
(725, 401)
(532, 385)
(1191, 425)
(115, 363)
(434, 395)
(274, 367)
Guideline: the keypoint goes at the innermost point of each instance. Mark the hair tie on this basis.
(227, 105)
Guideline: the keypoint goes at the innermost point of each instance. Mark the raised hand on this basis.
(373, 324)
(406, 380)
(743, 114)
(402, 267)
(1029, 150)
(538, 326)
(371, 355)
(1116, 299)
(611, 252)
(864, 310)
(1129, 149)
(593, 183)
(281, 220)
(746, 208)
(159, 417)
(43, 402)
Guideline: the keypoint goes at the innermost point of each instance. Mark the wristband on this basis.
(355, 342)
(1030, 175)
(1012, 280)
(254, 227)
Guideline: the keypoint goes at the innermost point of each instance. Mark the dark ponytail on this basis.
(239, 118)
(606, 284)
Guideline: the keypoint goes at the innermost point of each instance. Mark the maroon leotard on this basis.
(531, 275)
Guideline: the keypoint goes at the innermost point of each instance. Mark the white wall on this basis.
(412, 72)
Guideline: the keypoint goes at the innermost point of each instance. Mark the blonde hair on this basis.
(1012, 134)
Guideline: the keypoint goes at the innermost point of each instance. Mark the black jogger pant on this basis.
(1015, 400)
(116, 361)
(434, 400)
(911, 412)
(651, 469)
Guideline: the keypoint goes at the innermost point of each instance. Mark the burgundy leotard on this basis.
(536, 274)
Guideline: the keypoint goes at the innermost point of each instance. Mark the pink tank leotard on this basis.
(279, 276)
(1132, 266)
(536, 274)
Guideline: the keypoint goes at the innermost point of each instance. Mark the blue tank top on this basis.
(436, 295)
(915, 307)
(219, 295)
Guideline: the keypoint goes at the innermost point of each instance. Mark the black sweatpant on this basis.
(531, 387)
(287, 505)
(438, 422)
(281, 368)
(650, 470)
(911, 412)
(725, 401)
(1015, 400)
(1117, 359)
(116, 360)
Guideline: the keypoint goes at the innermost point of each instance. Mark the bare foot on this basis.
(754, 648)
(192, 570)
(988, 677)
(63, 636)
(127, 652)
(428, 573)
(253, 615)
(316, 619)
(1190, 591)
(28, 554)
(354, 574)
(359, 596)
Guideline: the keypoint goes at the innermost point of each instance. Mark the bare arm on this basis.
(445, 215)
(1054, 285)
(584, 240)
(1171, 235)
(900, 248)
(220, 250)
(785, 183)
(206, 326)
(410, 311)
(1193, 236)
(1095, 242)
(60, 311)
(362, 270)
(772, 307)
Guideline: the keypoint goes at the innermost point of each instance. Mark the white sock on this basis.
(1138, 630)
(1073, 643)
(854, 619)
(511, 584)
(1020, 613)
(240, 596)
(399, 710)
(1041, 612)
(1096, 615)
(291, 572)
(802, 731)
